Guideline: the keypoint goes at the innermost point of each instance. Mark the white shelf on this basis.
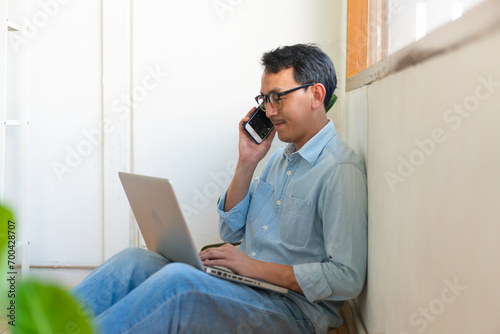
(13, 122)
(12, 26)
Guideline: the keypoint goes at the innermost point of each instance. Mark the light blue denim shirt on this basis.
(308, 209)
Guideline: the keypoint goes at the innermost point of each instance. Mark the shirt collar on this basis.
(312, 149)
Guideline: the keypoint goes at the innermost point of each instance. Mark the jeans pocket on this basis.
(296, 223)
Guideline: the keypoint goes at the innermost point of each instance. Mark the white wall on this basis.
(187, 129)
(192, 69)
(434, 190)
(64, 102)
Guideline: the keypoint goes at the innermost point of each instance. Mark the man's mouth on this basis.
(278, 123)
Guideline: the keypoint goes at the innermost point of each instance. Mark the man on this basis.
(302, 224)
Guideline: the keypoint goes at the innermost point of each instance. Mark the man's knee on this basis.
(133, 252)
(178, 271)
(184, 278)
(134, 257)
(136, 254)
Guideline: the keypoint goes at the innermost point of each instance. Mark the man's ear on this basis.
(318, 95)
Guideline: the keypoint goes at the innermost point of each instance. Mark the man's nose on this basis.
(270, 110)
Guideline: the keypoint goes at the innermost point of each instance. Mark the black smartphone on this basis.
(259, 126)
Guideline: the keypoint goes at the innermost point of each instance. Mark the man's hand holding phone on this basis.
(250, 153)
(259, 126)
(250, 126)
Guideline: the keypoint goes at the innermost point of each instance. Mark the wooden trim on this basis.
(352, 323)
(349, 319)
(64, 266)
(357, 36)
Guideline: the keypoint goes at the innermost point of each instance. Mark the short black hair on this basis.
(309, 62)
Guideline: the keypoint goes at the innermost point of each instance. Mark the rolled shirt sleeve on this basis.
(343, 208)
(232, 222)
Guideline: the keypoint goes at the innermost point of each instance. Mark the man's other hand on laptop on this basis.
(230, 257)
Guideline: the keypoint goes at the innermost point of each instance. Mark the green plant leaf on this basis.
(43, 307)
(332, 102)
(5, 217)
(34, 306)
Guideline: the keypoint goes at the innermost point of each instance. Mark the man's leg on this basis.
(181, 299)
(115, 278)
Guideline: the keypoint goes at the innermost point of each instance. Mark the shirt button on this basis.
(289, 173)
(253, 254)
(264, 228)
(278, 202)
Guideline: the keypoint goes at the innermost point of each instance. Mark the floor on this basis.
(66, 277)
(4, 325)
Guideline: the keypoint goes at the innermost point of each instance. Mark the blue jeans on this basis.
(138, 291)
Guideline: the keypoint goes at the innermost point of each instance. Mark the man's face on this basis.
(292, 120)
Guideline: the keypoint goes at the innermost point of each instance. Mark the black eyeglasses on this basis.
(275, 98)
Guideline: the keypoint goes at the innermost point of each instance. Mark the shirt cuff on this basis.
(236, 217)
(311, 280)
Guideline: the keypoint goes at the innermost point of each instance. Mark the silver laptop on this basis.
(164, 229)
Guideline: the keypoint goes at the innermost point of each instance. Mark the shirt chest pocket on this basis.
(260, 199)
(296, 222)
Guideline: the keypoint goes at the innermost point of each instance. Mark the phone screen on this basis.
(259, 126)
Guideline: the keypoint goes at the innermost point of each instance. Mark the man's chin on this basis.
(283, 137)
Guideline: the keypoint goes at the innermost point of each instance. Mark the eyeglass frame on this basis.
(278, 96)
